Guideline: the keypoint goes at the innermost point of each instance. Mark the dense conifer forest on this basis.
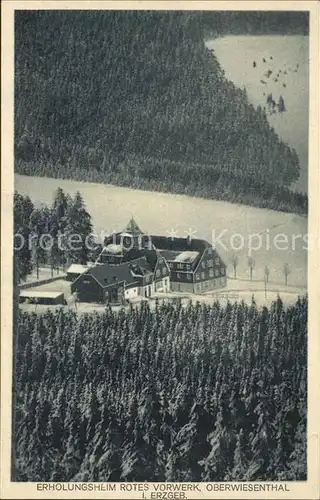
(136, 99)
(170, 393)
(221, 23)
(42, 235)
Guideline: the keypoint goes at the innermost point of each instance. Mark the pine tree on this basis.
(77, 232)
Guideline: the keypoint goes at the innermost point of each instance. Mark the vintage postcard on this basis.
(160, 250)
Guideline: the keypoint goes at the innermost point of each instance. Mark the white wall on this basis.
(163, 285)
(144, 288)
(166, 284)
(131, 292)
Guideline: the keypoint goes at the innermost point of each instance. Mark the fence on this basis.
(225, 295)
(25, 286)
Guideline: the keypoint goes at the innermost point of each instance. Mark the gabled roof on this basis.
(113, 249)
(186, 256)
(179, 244)
(40, 294)
(77, 269)
(169, 255)
(150, 255)
(130, 272)
(188, 250)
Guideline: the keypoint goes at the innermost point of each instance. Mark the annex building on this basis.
(114, 283)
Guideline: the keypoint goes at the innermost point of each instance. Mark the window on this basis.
(211, 273)
(197, 276)
(180, 266)
(188, 267)
(216, 272)
(222, 271)
(164, 270)
(189, 276)
(217, 261)
(86, 282)
(210, 251)
(160, 261)
(210, 263)
(171, 265)
(203, 264)
(203, 276)
(179, 276)
(158, 273)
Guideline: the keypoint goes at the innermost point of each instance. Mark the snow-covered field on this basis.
(287, 58)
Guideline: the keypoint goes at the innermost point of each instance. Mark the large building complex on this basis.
(133, 264)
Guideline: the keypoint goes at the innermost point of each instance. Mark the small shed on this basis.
(75, 270)
(45, 297)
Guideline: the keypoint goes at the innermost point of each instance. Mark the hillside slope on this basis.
(135, 99)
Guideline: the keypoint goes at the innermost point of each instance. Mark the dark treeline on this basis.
(46, 235)
(136, 99)
(221, 23)
(174, 393)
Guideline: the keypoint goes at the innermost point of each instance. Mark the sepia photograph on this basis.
(160, 249)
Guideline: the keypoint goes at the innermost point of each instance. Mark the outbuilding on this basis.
(45, 297)
(106, 283)
(75, 270)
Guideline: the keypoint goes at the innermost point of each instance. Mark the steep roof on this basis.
(150, 255)
(113, 248)
(133, 228)
(130, 272)
(179, 244)
(186, 256)
(186, 250)
(77, 269)
(169, 255)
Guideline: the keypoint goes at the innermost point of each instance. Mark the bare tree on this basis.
(234, 260)
(266, 279)
(266, 273)
(286, 272)
(251, 265)
(36, 302)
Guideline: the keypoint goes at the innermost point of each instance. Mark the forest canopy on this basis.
(135, 98)
(95, 400)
